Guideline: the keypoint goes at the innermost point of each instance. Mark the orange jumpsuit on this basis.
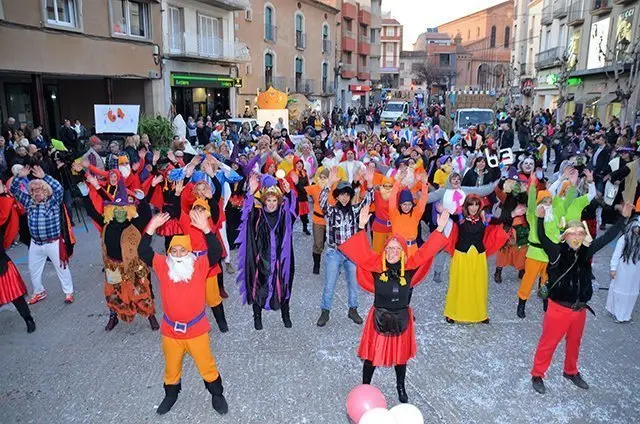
(407, 224)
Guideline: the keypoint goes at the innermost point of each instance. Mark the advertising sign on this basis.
(598, 39)
(624, 29)
(119, 119)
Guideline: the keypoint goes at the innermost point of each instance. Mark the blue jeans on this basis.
(334, 259)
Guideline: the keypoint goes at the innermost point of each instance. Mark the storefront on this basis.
(359, 94)
(546, 90)
(201, 94)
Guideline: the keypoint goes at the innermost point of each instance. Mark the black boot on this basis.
(286, 318)
(401, 372)
(497, 277)
(521, 305)
(354, 316)
(155, 326)
(324, 318)
(545, 304)
(113, 321)
(538, 385)
(316, 263)
(23, 309)
(31, 324)
(218, 401)
(305, 228)
(223, 292)
(520, 274)
(367, 371)
(170, 397)
(257, 317)
(218, 314)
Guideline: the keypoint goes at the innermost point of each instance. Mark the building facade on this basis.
(391, 46)
(487, 36)
(527, 28)
(201, 56)
(376, 45)
(292, 46)
(78, 53)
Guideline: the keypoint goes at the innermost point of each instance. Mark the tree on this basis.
(562, 78)
(428, 73)
(624, 71)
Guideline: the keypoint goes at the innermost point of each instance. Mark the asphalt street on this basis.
(71, 371)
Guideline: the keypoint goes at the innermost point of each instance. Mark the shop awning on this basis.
(587, 98)
(359, 89)
(607, 98)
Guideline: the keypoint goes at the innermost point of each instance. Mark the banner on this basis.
(121, 119)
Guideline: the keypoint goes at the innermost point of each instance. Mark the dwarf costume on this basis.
(265, 259)
(162, 197)
(388, 337)
(407, 224)
(185, 328)
(12, 288)
(381, 225)
(302, 208)
(514, 252)
(127, 286)
(319, 224)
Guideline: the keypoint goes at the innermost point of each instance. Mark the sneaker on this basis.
(354, 316)
(37, 298)
(538, 385)
(68, 299)
(577, 380)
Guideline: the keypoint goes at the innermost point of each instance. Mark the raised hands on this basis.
(156, 222)
(364, 217)
(443, 219)
(179, 187)
(37, 172)
(156, 180)
(254, 183)
(200, 220)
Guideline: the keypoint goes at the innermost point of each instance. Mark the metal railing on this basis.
(576, 11)
(348, 34)
(327, 87)
(365, 39)
(559, 9)
(347, 67)
(270, 33)
(326, 46)
(523, 69)
(198, 45)
(547, 15)
(279, 83)
(302, 85)
(549, 57)
(301, 40)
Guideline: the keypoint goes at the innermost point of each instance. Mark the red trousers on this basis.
(559, 321)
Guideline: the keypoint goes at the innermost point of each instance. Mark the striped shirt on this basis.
(342, 223)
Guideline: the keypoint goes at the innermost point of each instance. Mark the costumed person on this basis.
(127, 286)
(513, 201)
(265, 259)
(185, 328)
(160, 193)
(319, 224)
(567, 294)
(388, 338)
(472, 141)
(381, 225)
(404, 215)
(12, 288)
(351, 166)
(51, 234)
(625, 273)
(342, 223)
(299, 181)
(471, 244)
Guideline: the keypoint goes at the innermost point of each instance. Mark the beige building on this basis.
(60, 57)
(292, 45)
(391, 46)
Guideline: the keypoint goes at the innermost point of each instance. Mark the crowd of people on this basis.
(384, 206)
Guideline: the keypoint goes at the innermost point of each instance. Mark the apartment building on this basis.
(527, 28)
(202, 56)
(355, 85)
(60, 57)
(376, 46)
(391, 46)
(292, 45)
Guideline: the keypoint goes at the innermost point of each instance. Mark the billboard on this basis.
(598, 41)
(119, 119)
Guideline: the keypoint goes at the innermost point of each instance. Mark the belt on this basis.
(538, 245)
(199, 253)
(181, 327)
(41, 242)
(576, 306)
(381, 221)
(319, 215)
(411, 242)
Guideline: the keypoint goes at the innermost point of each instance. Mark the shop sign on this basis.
(573, 81)
(238, 83)
(213, 81)
(624, 29)
(526, 87)
(552, 79)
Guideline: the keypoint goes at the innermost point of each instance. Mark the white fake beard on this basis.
(125, 170)
(181, 269)
(548, 213)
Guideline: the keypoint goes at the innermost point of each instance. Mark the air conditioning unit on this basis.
(248, 15)
(154, 74)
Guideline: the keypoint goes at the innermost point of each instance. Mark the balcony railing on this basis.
(279, 83)
(547, 15)
(301, 40)
(198, 46)
(523, 69)
(348, 67)
(548, 58)
(365, 39)
(576, 13)
(302, 85)
(270, 33)
(327, 87)
(560, 9)
(601, 7)
(348, 34)
(326, 46)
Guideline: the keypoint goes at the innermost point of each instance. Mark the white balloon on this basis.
(406, 413)
(378, 416)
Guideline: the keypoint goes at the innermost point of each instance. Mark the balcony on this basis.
(301, 40)
(270, 33)
(348, 71)
(560, 9)
(601, 7)
(363, 73)
(547, 15)
(349, 10)
(326, 46)
(228, 4)
(549, 58)
(302, 85)
(279, 83)
(364, 48)
(348, 41)
(327, 87)
(530, 35)
(623, 1)
(364, 16)
(199, 47)
(576, 13)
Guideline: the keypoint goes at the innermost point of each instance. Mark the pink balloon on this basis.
(363, 398)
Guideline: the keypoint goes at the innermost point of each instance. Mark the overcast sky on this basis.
(430, 13)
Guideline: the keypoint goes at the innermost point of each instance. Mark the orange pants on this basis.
(532, 269)
(198, 348)
(378, 241)
(212, 292)
(511, 255)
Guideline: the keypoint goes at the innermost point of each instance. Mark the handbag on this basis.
(114, 276)
(390, 322)
(610, 192)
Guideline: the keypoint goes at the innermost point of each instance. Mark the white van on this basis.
(393, 111)
(464, 118)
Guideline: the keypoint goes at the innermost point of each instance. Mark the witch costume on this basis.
(265, 258)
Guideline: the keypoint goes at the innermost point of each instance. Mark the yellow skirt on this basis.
(468, 287)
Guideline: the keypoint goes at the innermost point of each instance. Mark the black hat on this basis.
(343, 187)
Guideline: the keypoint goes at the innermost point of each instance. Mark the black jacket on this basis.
(601, 162)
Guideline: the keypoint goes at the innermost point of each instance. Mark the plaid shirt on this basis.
(43, 218)
(342, 223)
(112, 161)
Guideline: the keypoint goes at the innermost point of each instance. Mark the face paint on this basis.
(120, 215)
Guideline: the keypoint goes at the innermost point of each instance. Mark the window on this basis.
(210, 36)
(492, 40)
(390, 31)
(131, 18)
(478, 32)
(268, 69)
(62, 12)
(402, 66)
(300, 36)
(175, 30)
(269, 24)
(298, 68)
(507, 36)
(445, 60)
(248, 15)
(389, 58)
(248, 69)
(326, 43)
(373, 36)
(325, 75)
